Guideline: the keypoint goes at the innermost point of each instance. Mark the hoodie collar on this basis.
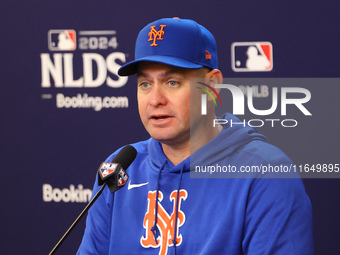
(225, 143)
(158, 160)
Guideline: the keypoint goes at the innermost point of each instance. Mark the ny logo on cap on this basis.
(155, 35)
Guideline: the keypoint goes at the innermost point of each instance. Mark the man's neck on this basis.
(176, 153)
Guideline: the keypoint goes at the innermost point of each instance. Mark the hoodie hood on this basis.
(230, 139)
(227, 142)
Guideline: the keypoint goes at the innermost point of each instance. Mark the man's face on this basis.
(164, 101)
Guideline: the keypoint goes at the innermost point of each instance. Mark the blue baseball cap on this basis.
(172, 41)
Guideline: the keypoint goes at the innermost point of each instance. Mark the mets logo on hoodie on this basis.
(166, 232)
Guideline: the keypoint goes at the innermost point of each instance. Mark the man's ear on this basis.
(214, 77)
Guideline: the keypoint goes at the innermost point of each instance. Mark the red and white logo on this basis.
(165, 222)
(62, 40)
(122, 177)
(107, 168)
(252, 56)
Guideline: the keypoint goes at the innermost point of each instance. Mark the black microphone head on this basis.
(125, 156)
(113, 172)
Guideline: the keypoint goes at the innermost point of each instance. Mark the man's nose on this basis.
(157, 96)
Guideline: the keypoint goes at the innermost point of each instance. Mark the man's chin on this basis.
(163, 139)
(169, 140)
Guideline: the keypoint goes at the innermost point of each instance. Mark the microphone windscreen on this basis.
(125, 156)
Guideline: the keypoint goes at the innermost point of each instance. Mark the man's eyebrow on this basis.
(173, 73)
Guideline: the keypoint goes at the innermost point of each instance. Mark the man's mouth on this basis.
(160, 117)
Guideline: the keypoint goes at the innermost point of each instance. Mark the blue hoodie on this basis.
(218, 215)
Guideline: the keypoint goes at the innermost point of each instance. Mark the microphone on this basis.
(111, 174)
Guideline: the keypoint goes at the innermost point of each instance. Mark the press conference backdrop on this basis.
(64, 109)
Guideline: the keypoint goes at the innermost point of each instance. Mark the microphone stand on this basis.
(78, 219)
(115, 180)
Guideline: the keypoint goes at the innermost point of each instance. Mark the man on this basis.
(163, 210)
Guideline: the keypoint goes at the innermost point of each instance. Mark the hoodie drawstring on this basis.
(155, 229)
(177, 202)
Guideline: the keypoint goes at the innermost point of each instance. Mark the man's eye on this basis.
(173, 83)
(144, 85)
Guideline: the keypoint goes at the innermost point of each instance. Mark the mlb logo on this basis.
(62, 40)
(122, 177)
(252, 56)
(107, 168)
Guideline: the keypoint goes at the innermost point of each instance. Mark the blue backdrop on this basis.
(64, 109)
